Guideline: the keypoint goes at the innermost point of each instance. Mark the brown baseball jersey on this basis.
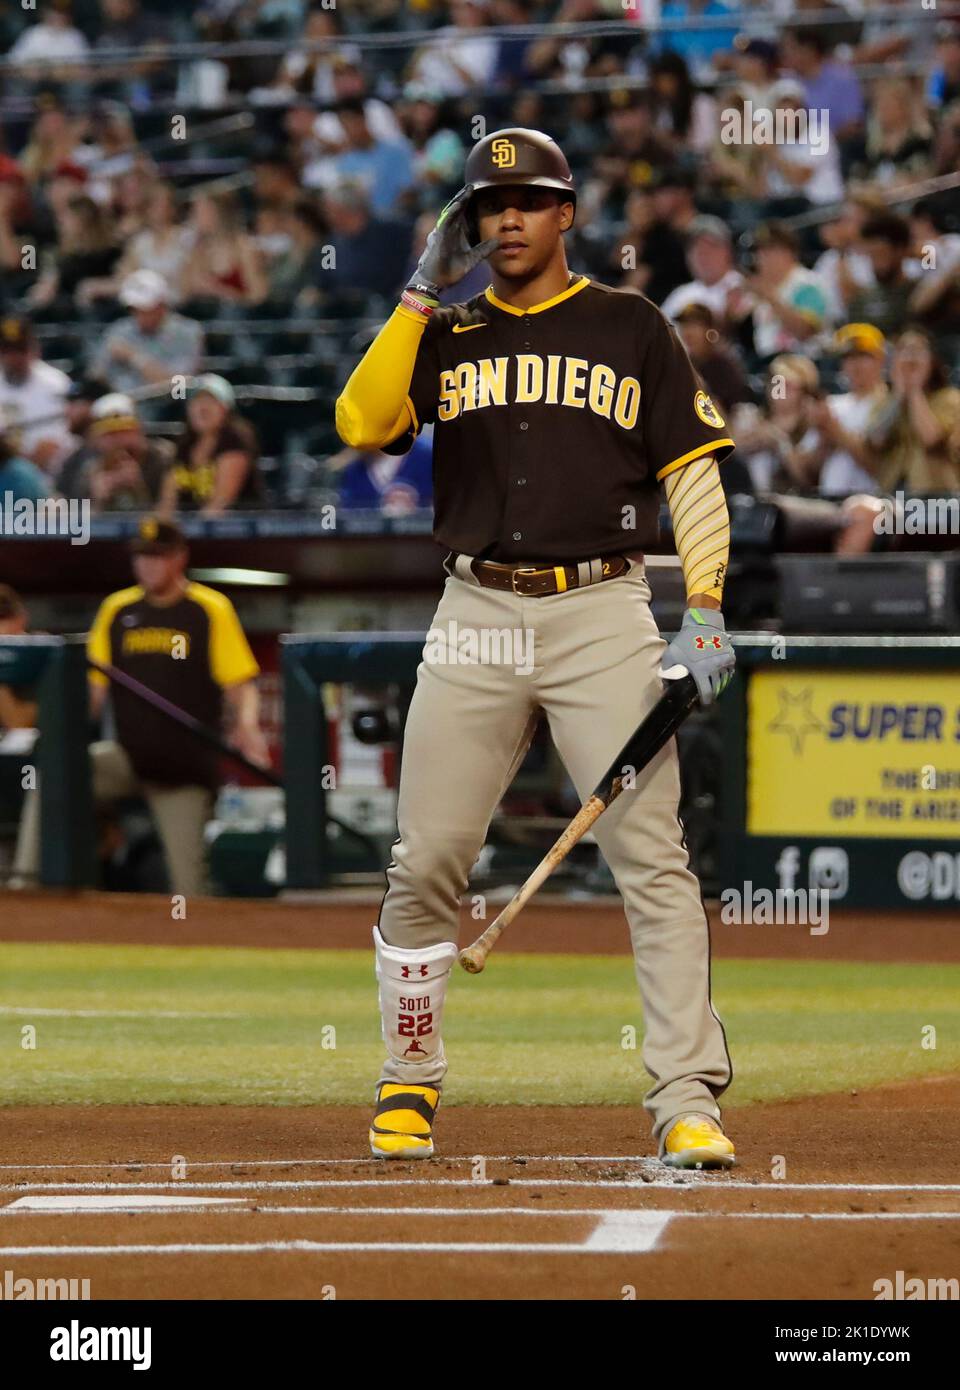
(188, 652)
(554, 424)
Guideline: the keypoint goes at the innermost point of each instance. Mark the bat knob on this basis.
(472, 961)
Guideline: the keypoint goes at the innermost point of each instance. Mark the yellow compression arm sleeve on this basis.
(375, 407)
(701, 525)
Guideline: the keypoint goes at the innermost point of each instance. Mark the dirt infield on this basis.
(568, 1203)
(595, 926)
(831, 1193)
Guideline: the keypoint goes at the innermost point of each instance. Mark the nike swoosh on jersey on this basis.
(468, 328)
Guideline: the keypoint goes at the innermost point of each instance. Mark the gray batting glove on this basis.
(448, 255)
(703, 646)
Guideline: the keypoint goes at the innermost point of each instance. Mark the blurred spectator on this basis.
(390, 484)
(779, 442)
(128, 196)
(126, 25)
(734, 170)
(438, 152)
(755, 65)
(32, 396)
(697, 46)
(511, 67)
(15, 216)
(311, 73)
(786, 303)
(19, 478)
(350, 84)
(934, 269)
(710, 256)
(51, 143)
(687, 118)
(916, 434)
(369, 253)
(164, 243)
(384, 168)
(808, 168)
(944, 84)
(632, 154)
(216, 456)
(18, 703)
(662, 262)
(713, 357)
(153, 344)
(946, 149)
(50, 47)
(275, 180)
(73, 480)
(845, 419)
(87, 250)
(298, 271)
(885, 238)
(223, 263)
(127, 470)
(843, 267)
(827, 85)
(461, 57)
(898, 147)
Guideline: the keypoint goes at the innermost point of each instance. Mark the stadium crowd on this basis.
(194, 250)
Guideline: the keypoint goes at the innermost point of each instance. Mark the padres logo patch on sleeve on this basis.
(707, 411)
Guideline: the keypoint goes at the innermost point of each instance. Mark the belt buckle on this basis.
(521, 569)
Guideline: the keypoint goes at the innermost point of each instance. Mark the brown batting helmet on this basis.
(518, 156)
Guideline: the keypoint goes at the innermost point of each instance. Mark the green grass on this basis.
(531, 1030)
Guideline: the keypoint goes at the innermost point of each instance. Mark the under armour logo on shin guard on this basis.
(405, 971)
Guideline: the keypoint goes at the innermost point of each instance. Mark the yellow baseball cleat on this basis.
(698, 1142)
(403, 1121)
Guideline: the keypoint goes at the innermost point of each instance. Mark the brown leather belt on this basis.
(533, 581)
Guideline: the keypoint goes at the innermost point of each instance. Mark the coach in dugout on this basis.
(184, 642)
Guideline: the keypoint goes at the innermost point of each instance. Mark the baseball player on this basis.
(560, 405)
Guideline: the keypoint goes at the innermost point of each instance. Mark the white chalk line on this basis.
(328, 1162)
(615, 1232)
(692, 1180)
(233, 1208)
(331, 1162)
(24, 1011)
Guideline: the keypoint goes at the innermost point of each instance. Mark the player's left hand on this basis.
(703, 646)
(448, 255)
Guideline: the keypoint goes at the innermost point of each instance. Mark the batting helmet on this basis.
(519, 156)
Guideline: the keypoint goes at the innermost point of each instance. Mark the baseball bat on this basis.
(185, 720)
(676, 702)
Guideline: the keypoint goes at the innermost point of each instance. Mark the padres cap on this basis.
(217, 386)
(519, 156)
(860, 337)
(16, 332)
(696, 312)
(112, 413)
(156, 537)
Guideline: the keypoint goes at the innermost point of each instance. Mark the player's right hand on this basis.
(448, 255)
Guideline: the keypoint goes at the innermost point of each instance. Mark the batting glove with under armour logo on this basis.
(448, 255)
(703, 646)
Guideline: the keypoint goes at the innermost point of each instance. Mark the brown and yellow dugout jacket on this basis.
(187, 652)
